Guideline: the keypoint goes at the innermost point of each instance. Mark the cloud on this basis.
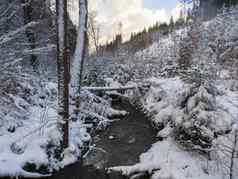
(131, 13)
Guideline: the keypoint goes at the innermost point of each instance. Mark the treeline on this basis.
(226, 3)
(114, 44)
(142, 39)
(162, 28)
(210, 8)
(153, 33)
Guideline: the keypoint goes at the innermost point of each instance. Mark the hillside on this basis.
(163, 105)
(195, 111)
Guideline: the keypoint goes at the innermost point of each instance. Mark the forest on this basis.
(159, 102)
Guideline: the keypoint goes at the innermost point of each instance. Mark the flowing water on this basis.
(120, 144)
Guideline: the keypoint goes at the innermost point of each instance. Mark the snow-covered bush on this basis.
(189, 112)
(202, 120)
(29, 119)
(97, 110)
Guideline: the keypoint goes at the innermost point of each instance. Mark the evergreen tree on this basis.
(171, 24)
(189, 16)
(157, 26)
(164, 28)
(180, 22)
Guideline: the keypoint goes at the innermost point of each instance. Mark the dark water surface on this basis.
(125, 139)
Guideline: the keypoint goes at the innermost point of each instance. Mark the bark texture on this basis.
(63, 70)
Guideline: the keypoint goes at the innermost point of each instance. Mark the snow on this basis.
(12, 35)
(167, 160)
(229, 103)
(38, 130)
(111, 137)
(172, 102)
(70, 156)
(166, 132)
(61, 25)
(109, 88)
(28, 113)
(164, 100)
(77, 65)
(21, 147)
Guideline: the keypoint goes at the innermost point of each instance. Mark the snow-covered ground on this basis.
(168, 159)
(197, 124)
(32, 140)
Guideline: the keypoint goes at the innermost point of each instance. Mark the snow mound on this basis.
(166, 160)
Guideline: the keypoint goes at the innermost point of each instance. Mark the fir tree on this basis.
(171, 24)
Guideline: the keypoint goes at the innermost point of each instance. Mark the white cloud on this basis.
(130, 13)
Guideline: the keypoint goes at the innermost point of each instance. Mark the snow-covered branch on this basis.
(13, 34)
(121, 88)
(110, 88)
(40, 50)
(4, 13)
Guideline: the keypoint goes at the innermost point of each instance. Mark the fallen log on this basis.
(109, 88)
(122, 88)
(137, 170)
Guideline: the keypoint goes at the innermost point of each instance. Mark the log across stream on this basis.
(120, 144)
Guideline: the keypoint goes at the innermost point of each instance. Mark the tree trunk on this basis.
(233, 156)
(77, 65)
(28, 13)
(63, 70)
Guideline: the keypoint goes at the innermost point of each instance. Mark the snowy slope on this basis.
(32, 140)
(168, 159)
(182, 111)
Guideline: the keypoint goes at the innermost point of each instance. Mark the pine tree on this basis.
(189, 16)
(180, 22)
(190, 43)
(157, 26)
(164, 28)
(171, 24)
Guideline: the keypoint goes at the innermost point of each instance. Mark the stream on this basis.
(120, 144)
(123, 141)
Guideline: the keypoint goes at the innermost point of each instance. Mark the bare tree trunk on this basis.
(96, 39)
(28, 17)
(233, 152)
(63, 70)
(93, 32)
(79, 56)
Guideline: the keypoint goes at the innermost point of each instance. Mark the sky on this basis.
(158, 4)
(134, 15)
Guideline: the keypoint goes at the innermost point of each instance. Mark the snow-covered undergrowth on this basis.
(195, 128)
(29, 135)
(189, 108)
(166, 160)
(196, 111)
